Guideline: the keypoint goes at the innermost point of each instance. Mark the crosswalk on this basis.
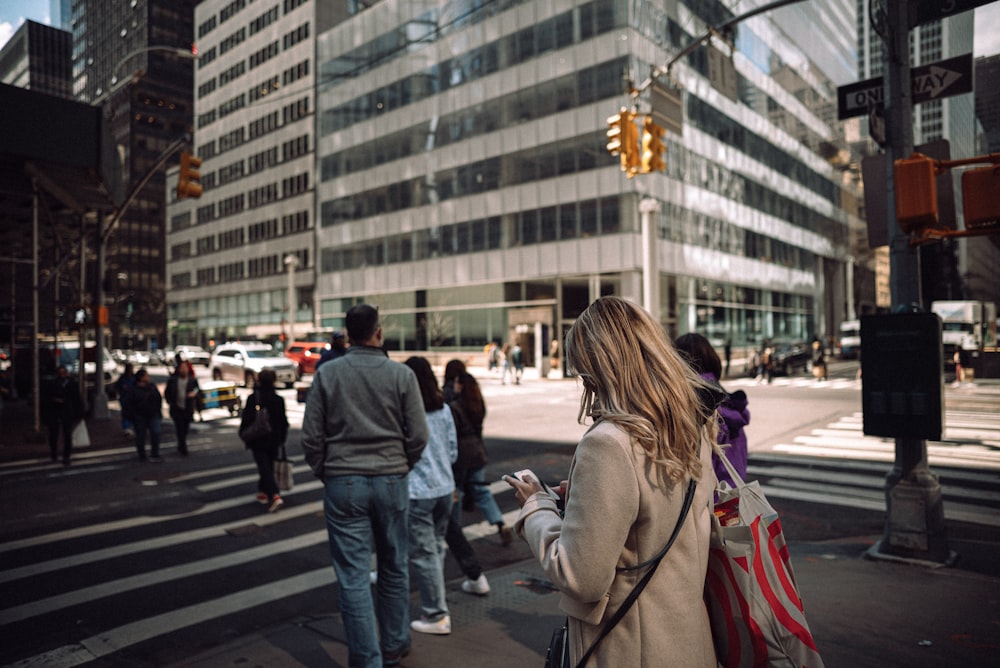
(141, 578)
(837, 464)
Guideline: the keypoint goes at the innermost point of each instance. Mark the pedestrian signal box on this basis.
(981, 197)
(902, 382)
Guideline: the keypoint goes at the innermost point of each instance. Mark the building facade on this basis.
(237, 253)
(37, 57)
(124, 58)
(458, 176)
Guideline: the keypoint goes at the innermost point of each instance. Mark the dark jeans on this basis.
(182, 423)
(459, 545)
(265, 456)
(66, 424)
(153, 425)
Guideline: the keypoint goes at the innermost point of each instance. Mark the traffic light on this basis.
(652, 147)
(188, 180)
(623, 140)
(981, 197)
(916, 193)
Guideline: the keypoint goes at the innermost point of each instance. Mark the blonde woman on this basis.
(626, 488)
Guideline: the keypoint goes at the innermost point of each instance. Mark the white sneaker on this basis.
(373, 576)
(441, 627)
(478, 586)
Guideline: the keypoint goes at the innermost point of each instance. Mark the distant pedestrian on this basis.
(338, 346)
(363, 430)
(146, 412)
(182, 398)
(517, 359)
(492, 356)
(554, 355)
(432, 486)
(818, 359)
(728, 351)
(62, 409)
(265, 449)
(123, 388)
(505, 363)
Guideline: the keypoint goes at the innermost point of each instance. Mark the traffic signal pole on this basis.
(914, 527)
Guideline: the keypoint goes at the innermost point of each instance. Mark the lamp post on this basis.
(292, 262)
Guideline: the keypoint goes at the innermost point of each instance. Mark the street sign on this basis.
(933, 81)
(721, 73)
(925, 12)
(667, 111)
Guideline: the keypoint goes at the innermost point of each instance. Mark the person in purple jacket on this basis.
(733, 412)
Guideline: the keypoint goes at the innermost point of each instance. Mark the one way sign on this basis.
(927, 82)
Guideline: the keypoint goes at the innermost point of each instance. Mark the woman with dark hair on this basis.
(643, 460)
(470, 469)
(451, 371)
(432, 485)
(734, 414)
(265, 448)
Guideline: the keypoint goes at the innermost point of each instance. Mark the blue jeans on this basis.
(362, 511)
(483, 496)
(428, 525)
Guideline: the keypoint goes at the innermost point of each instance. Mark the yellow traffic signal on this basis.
(623, 140)
(652, 147)
(188, 180)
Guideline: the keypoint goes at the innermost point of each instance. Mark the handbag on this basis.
(557, 655)
(753, 602)
(283, 471)
(80, 437)
(260, 427)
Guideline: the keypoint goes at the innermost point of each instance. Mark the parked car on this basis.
(305, 354)
(193, 354)
(791, 355)
(240, 362)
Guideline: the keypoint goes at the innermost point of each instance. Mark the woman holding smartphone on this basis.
(624, 495)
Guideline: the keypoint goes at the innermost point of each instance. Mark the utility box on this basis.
(902, 383)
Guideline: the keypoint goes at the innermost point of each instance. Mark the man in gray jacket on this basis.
(363, 430)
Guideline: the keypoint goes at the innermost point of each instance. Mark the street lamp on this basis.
(292, 262)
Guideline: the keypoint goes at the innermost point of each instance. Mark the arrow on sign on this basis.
(934, 82)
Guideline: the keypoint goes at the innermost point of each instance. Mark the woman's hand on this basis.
(524, 488)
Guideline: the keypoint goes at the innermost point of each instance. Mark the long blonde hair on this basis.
(633, 376)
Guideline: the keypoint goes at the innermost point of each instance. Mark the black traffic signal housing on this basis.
(623, 140)
(188, 180)
(652, 147)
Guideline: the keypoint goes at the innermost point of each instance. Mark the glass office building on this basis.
(463, 184)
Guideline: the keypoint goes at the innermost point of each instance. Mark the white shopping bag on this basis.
(81, 437)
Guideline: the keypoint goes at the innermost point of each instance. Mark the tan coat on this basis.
(617, 515)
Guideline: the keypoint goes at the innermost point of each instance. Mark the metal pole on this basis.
(650, 265)
(914, 527)
(99, 410)
(35, 375)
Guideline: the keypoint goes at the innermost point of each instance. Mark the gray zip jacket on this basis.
(364, 416)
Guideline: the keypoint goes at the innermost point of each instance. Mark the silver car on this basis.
(241, 362)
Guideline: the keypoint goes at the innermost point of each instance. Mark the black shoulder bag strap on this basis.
(654, 562)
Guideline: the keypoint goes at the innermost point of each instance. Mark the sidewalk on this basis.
(862, 614)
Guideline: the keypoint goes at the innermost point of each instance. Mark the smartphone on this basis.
(519, 475)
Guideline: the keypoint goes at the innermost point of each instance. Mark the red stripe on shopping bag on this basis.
(720, 589)
(784, 574)
(781, 614)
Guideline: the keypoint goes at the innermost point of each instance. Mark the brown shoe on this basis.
(506, 535)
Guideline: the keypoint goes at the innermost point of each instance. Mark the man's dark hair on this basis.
(362, 321)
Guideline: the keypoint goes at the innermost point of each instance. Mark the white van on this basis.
(849, 344)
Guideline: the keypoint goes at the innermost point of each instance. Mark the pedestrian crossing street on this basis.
(806, 382)
(837, 464)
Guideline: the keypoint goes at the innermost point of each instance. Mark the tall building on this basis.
(125, 58)
(462, 182)
(233, 251)
(988, 102)
(955, 268)
(37, 57)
